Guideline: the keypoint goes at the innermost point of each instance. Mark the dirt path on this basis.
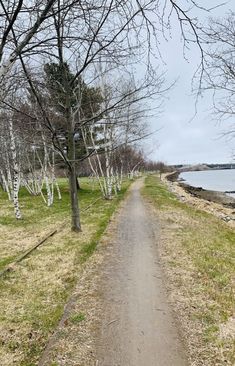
(137, 327)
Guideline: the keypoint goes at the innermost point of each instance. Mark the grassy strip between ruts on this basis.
(197, 251)
(33, 295)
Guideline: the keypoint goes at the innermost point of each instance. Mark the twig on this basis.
(86, 208)
(113, 321)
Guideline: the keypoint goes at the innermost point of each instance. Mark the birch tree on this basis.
(76, 34)
(16, 170)
(121, 124)
(10, 166)
(95, 37)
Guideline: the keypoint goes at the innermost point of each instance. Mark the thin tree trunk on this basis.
(5, 185)
(71, 148)
(78, 184)
(120, 178)
(41, 180)
(58, 190)
(8, 172)
(45, 166)
(54, 180)
(108, 167)
(96, 173)
(16, 183)
(75, 214)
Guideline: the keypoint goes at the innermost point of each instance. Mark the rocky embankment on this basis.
(217, 203)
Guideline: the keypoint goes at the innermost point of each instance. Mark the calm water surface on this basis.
(214, 180)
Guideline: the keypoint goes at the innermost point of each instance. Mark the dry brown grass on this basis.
(197, 252)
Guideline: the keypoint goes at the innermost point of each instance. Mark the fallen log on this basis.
(11, 266)
(26, 254)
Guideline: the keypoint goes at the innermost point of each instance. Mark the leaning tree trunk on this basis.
(16, 178)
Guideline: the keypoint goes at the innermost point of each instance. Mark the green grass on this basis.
(5, 261)
(203, 247)
(35, 211)
(37, 216)
(34, 294)
(77, 318)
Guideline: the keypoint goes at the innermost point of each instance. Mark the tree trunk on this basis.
(46, 178)
(54, 180)
(71, 148)
(58, 190)
(78, 184)
(75, 214)
(16, 178)
(5, 185)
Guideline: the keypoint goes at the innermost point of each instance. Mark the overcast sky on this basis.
(179, 140)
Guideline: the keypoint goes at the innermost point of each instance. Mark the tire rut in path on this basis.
(137, 327)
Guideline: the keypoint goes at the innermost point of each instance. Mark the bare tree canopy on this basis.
(219, 73)
(66, 77)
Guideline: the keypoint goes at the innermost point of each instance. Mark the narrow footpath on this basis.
(137, 326)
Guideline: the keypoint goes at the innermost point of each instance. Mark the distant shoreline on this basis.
(209, 195)
(217, 203)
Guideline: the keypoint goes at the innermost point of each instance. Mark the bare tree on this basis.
(15, 25)
(122, 123)
(76, 35)
(219, 74)
(80, 43)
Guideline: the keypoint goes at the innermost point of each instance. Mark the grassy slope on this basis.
(198, 252)
(34, 294)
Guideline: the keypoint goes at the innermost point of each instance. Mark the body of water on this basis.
(214, 180)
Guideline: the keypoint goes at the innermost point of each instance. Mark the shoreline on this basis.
(217, 203)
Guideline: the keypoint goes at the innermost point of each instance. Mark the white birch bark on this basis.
(120, 179)
(8, 171)
(41, 178)
(54, 177)
(133, 170)
(46, 178)
(104, 176)
(108, 135)
(5, 185)
(32, 180)
(97, 172)
(16, 175)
